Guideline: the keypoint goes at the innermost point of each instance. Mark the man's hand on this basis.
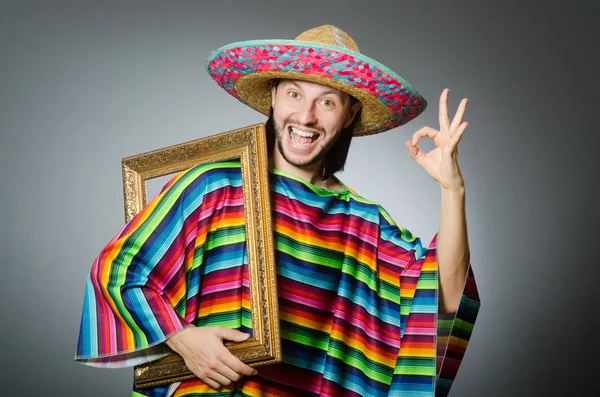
(442, 162)
(442, 165)
(205, 355)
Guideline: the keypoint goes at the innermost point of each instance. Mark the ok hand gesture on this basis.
(442, 162)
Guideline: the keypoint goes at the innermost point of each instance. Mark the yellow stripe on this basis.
(368, 260)
(417, 352)
(358, 345)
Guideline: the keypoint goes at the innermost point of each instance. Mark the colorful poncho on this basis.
(357, 293)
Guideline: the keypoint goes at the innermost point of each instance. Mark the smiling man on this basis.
(365, 308)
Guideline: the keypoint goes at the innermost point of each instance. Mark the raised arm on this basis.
(442, 165)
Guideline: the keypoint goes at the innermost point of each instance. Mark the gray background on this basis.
(84, 84)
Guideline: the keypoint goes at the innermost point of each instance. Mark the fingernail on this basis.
(255, 372)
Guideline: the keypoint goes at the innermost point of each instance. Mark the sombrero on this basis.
(325, 55)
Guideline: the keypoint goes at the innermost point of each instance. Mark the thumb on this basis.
(233, 335)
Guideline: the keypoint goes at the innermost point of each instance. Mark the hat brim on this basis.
(244, 69)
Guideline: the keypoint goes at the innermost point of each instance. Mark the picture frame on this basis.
(248, 144)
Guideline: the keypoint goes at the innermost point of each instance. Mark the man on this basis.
(358, 295)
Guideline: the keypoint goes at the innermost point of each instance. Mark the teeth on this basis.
(303, 133)
(296, 132)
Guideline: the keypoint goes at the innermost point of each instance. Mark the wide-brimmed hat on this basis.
(325, 55)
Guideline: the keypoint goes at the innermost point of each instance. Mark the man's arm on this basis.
(452, 250)
(442, 165)
(137, 292)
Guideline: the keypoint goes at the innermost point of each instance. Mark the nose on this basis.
(306, 114)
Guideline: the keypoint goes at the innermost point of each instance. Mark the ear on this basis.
(273, 93)
(352, 113)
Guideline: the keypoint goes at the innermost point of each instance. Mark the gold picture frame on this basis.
(247, 144)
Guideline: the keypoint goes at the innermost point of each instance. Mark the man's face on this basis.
(308, 118)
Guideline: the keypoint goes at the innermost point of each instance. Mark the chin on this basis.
(300, 161)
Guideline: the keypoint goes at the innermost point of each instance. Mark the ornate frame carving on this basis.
(247, 144)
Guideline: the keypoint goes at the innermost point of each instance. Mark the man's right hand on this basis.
(207, 357)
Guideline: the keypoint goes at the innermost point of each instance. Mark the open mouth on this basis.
(302, 138)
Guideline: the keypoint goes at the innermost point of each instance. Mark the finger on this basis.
(425, 131)
(232, 368)
(217, 378)
(414, 152)
(202, 372)
(457, 136)
(443, 112)
(212, 383)
(229, 373)
(232, 334)
(458, 117)
(238, 366)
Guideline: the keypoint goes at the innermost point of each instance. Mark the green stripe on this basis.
(308, 253)
(415, 366)
(230, 319)
(225, 236)
(304, 336)
(358, 359)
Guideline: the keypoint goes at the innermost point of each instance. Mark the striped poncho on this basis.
(357, 293)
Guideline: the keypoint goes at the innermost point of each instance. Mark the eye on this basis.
(328, 103)
(293, 94)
